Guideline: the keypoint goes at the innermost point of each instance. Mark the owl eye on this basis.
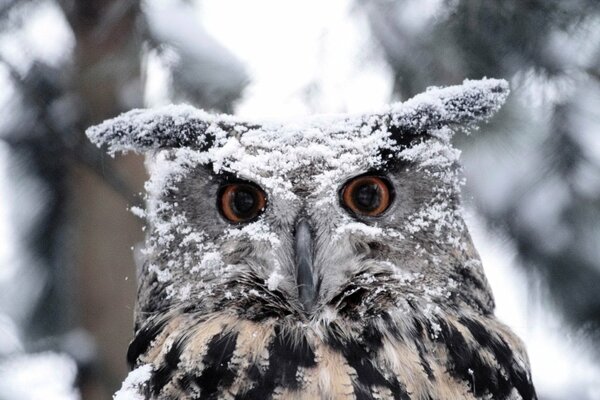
(367, 195)
(241, 202)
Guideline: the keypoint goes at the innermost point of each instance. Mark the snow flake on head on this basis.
(267, 152)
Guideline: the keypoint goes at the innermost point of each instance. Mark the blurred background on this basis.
(67, 267)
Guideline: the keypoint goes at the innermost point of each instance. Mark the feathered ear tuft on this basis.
(167, 127)
(174, 126)
(460, 106)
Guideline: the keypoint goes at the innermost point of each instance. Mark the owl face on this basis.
(330, 217)
(323, 258)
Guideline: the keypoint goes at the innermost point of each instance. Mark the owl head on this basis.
(328, 217)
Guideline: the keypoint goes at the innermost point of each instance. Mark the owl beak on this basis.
(303, 248)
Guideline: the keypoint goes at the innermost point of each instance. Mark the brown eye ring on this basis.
(367, 195)
(241, 201)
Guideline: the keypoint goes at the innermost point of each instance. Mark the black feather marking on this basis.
(349, 300)
(372, 338)
(217, 373)
(156, 291)
(468, 277)
(391, 326)
(164, 373)
(419, 336)
(285, 357)
(468, 365)
(362, 393)
(519, 377)
(186, 383)
(143, 338)
(272, 305)
(367, 375)
(354, 299)
(404, 138)
(418, 327)
(253, 373)
(424, 363)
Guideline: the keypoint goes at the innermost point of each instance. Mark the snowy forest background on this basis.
(67, 270)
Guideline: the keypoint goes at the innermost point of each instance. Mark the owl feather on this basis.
(324, 258)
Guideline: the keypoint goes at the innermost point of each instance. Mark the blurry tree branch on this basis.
(202, 71)
(6, 6)
(61, 137)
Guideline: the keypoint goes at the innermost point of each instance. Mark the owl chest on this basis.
(254, 361)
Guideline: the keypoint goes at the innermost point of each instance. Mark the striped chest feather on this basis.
(223, 357)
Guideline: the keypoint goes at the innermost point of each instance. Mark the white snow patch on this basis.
(258, 230)
(275, 278)
(130, 389)
(367, 230)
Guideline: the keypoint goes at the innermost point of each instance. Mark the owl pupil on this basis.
(367, 196)
(243, 202)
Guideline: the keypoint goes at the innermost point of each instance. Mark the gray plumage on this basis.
(321, 291)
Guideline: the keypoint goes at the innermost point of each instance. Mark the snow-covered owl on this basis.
(319, 258)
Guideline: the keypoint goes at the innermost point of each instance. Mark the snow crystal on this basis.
(275, 277)
(211, 261)
(130, 389)
(431, 312)
(138, 212)
(360, 227)
(366, 230)
(258, 230)
(436, 329)
(431, 154)
(162, 275)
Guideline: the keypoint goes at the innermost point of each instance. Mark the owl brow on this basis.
(404, 140)
(406, 137)
(223, 177)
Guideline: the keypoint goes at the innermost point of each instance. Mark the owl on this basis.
(316, 258)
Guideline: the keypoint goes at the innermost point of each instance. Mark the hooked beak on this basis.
(304, 253)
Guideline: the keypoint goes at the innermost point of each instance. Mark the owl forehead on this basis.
(280, 158)
(317, 152)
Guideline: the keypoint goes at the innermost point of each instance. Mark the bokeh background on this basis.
(67, 240)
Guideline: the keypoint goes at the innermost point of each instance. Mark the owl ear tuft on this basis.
(171, 126)
(461, 106)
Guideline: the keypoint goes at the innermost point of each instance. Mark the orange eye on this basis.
(367, 195)
(241, 202)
